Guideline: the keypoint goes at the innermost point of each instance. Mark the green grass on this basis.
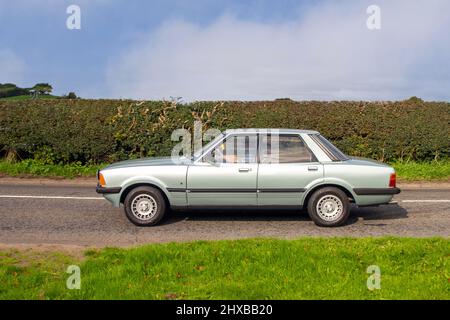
(434, 170)
(37, 168)
(408, 171)
(308, 268)
(28, 97)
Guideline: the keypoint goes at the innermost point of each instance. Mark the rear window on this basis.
(284, 149)
(334, 153)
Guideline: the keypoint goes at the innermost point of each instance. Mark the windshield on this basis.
(332, 151)
(199, 153)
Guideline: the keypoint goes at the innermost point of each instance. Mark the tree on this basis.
(7, 86)
(415, 99)
(42, 88)
(283, 99)
(11, 90)
(72, 95)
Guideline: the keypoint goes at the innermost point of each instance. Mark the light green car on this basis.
(251, 168)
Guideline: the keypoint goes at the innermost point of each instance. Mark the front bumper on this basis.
(106, 190)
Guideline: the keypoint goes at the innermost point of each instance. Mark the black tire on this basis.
(146, 198)
(328, 196)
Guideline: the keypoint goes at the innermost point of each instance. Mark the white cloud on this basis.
(327, 54)
(12, 67)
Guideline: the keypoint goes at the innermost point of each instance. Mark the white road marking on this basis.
(51, 197)
(427, 201)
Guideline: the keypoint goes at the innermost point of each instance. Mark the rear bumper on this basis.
(376, 191)
(106, 190)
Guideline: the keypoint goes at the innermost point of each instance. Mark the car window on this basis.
(284, 149)
(331, 150)
(199, 153)
(236, 149)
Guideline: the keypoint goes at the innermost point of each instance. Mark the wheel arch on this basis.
(320, 186)
(130, 187)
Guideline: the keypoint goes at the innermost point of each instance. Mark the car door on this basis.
(286, 167)
(225, 176)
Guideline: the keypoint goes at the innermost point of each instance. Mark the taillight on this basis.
(101, 180)
(392, 180)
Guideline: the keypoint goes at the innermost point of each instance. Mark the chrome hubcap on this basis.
(329, 208)
(144, 207)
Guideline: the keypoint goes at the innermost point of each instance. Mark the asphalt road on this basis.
(31, 212)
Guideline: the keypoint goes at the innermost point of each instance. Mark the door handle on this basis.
(244, 169)
(313, 168)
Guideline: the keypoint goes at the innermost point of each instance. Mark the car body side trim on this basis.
(281, 190)
(220, 190)
(237, 190)
(176, 189)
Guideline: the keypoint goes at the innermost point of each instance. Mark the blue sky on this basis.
(245, 50)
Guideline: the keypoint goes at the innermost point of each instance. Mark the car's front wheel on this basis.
(329, 207)
(144, 206)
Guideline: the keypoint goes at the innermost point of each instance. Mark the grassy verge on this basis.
(308, 268)
(435, 170)
(40, 169)
(408, 171)
(28, 97)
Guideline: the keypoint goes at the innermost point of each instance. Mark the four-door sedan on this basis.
(251, 168)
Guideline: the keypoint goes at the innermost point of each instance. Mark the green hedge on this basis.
(92, 131)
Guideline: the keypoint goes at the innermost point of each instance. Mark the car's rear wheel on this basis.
(329, 207)
(144, 206)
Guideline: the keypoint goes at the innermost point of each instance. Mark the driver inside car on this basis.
(222, 156)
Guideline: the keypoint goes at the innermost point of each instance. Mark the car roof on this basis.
(269, 130)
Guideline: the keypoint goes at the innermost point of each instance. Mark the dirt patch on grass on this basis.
(25, 254)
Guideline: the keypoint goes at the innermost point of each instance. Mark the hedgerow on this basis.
(93, 131)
